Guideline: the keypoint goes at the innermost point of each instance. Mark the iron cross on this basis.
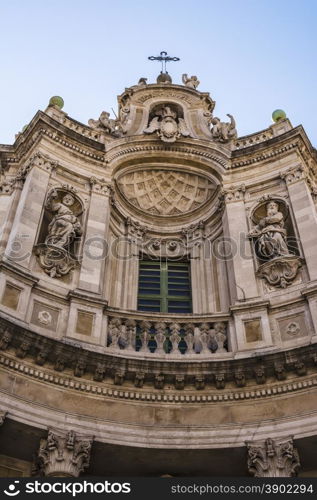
(163, 58)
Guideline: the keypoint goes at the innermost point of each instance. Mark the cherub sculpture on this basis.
(223, 131)
(167, 125)
(191, 81)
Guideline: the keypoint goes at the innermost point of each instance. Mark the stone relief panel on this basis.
(60, 232)
(293, 327)
(166, 192)
(45, 316)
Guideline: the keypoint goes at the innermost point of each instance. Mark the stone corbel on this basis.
(273, 458)
(63, 454)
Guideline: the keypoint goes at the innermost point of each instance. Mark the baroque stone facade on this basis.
(158, 276)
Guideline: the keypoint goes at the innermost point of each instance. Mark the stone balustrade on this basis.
(253, 139)
(163, 336)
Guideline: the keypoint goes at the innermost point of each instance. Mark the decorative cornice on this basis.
(170, 149)
(265, 156)
(84, 386)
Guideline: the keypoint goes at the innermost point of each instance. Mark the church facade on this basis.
(158, 292)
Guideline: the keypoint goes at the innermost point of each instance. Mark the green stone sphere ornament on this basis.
(278, 115)
(56, 100)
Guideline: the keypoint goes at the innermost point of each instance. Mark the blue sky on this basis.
(252, 56)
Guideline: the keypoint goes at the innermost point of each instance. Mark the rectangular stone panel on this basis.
(293, 327)
(11, 296)
(85, 322)
(45, 316)
(253, 330)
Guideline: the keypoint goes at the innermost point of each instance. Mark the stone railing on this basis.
(166, 337)
(253, 139)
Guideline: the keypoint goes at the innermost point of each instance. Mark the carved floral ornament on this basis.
(55, 254)
(279, 264)
(273, 458)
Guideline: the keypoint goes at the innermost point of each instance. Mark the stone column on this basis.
(95, 249)
(129, 252)
(237, 247)
(2, 416)
(304, 213)
(63, 454)
(273, 458)
(29, 209)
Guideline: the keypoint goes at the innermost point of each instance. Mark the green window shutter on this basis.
(164, 286)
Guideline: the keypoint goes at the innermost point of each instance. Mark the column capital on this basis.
(100, 186)
(273, 458)
(293, 174)
(233, 193)
(63, 453)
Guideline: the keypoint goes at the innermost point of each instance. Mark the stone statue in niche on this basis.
(270, 233)
(280, 267)
(55, 254)
(64, 226)
(167, 124)
(223, 131)
(191, 81)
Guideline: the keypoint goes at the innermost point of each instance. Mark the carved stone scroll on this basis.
(273, 458)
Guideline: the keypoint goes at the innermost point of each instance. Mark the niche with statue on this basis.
(274, 242)
(61, 229)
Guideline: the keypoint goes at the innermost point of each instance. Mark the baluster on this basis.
(160, 337)
(114, 332)
(220, 336)
(189, 338)
(130, 326)
(175, 338)
(204, 337)
(145, 335)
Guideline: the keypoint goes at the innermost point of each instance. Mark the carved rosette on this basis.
(281, 271)
(63, 454)
(273, 458)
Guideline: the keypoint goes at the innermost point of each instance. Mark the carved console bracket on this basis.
(281, 271)
(273, 458)
(55, 261)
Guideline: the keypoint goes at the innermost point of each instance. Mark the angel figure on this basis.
(191, 81)
(223, 131)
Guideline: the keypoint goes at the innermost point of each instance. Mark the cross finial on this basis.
(163, 58)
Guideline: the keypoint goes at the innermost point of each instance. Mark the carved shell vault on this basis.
(165, 192)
